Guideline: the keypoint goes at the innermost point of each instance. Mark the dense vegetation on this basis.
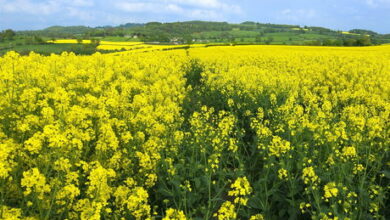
(244, 132)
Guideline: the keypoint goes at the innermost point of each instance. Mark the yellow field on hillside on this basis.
(126, 45)
(68, 41)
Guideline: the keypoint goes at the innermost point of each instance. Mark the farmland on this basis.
(83, 40)
(223, 132)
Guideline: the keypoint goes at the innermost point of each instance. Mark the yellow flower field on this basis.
(68, 41)
(240, 132)
(104, 45)
(138, 47)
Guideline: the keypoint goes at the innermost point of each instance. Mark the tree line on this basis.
(7, 35)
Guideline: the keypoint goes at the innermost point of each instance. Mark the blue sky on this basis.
(335, 14)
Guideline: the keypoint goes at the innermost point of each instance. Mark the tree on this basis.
(364, 41)
(248, 23)
(269, 40)
(38, 40)
(338, 42)
(363, 32)
(95, 41)
(232, 40)
(258, 39)
(327, 42)
(349, 42)
(33, 40)
(187, 39)
(153, 24)
(8, 34)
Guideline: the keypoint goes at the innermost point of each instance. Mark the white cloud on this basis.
(298, 14)
(175, 8)
(199, 9)
(45, 7)
(199, 13)
(27, 6)
(377, 3)
(118, 11)
(83, 15)
(136, 6)
(208, 4)
(199, 3)
(81, 3)
(149, 7)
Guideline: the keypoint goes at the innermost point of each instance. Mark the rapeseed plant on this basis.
(244, 132)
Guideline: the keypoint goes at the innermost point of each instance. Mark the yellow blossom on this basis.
(35, 182)
(330, 190)
(309, 175)
(173, 214)
(226, 211)
(282, 173)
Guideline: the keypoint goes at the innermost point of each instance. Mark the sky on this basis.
(335, 14)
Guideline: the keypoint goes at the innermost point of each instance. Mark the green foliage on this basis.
(363, 32)
(34, 40)
(47, 49)
(7, 35)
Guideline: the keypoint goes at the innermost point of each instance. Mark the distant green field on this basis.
(240, 36)
(45, 49)
(117, 38)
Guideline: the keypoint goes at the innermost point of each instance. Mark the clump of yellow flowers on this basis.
(172, 214)
(243, 132)
(34, 181)
(240, 189)
(330, 190)
(226, 211)
(309, 176)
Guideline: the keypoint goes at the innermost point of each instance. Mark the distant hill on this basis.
(68, 29)
(247, 32)
(362, 31)
(189, 32)
(59, 31)
(129, 25)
